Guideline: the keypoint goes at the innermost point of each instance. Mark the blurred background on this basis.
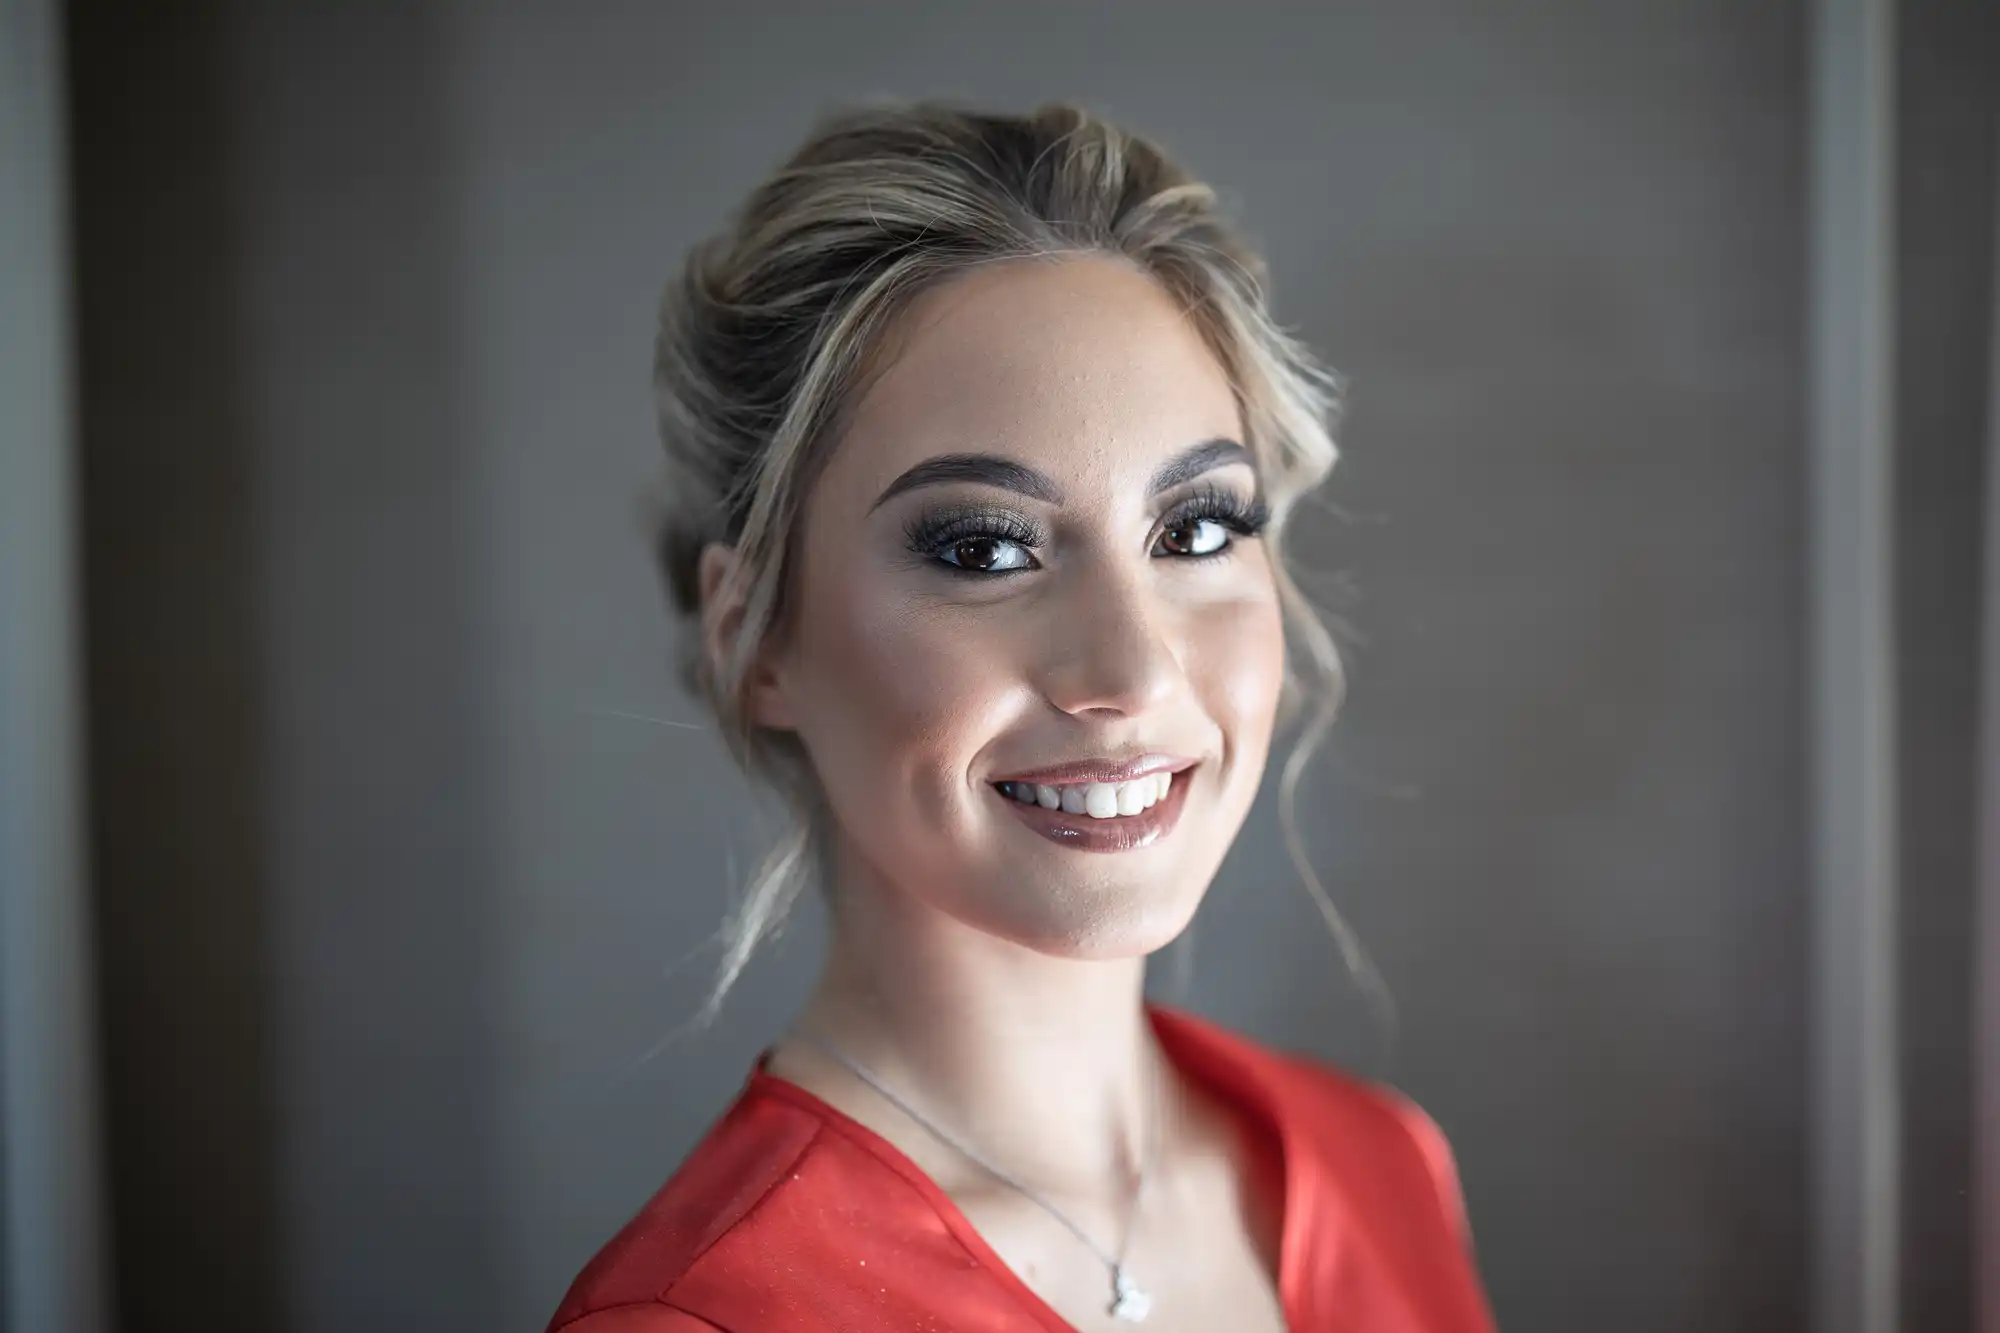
(361, 860)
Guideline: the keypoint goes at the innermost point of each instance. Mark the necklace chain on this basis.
(1128, 1300)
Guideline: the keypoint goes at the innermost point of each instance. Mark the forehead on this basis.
(1082, 367)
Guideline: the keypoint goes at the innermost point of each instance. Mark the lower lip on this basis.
(1120, 833)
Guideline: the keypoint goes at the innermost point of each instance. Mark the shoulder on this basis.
(1392, 1127)
(1374, 1202)
(1381, 1144)
(786, 1215)
(650, 1317)
(744, 1158)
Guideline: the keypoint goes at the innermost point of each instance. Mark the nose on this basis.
(1112, 649)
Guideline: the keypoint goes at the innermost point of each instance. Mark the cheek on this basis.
(897, 696)
(1237, 662)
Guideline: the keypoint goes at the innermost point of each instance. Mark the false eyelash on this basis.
(1244, 516)
(932, 533)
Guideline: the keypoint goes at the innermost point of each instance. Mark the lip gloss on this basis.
(1120, 833)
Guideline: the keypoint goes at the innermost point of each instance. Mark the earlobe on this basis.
(765, 701)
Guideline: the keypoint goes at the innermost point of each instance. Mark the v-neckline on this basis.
(1195, 1056)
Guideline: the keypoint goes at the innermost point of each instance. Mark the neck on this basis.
(1048, 1064)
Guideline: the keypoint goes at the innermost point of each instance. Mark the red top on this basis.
(790, 1217)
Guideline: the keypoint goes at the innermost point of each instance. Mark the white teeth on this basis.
(1099, 800)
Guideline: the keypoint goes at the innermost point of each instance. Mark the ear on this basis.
(765, 700)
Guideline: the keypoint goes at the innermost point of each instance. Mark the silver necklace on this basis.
(1129, 1301)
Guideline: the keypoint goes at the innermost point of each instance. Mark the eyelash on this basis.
(932, 534)
(1238, 515)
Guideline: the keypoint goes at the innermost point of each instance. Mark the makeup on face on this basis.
(1101, 805)
(1090, 805)
(1035, 623)
(990, 538)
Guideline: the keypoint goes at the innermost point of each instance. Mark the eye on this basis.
(976, 541)
(1200, 536)
(987, 555)
(1209, 522)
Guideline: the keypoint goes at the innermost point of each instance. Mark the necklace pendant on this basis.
(1128, 1302)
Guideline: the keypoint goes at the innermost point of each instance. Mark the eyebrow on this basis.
(1005, 474)
(1191, 463)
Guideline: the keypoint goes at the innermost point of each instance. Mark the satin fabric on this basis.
(790, 1217)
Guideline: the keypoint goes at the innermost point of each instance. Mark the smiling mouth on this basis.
(1101, 816)
(1099, 800)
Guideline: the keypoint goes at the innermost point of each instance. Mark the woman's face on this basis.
(1028, 577)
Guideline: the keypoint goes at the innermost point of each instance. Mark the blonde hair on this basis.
(765, 338)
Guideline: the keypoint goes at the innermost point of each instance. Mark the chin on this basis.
(1088, 922)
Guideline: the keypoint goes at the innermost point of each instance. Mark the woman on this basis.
(982, 441)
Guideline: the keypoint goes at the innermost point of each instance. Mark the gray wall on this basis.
(403, 916)
(51, 1276)
(1949, 111)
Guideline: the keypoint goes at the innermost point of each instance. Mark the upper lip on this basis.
(1099, 770)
